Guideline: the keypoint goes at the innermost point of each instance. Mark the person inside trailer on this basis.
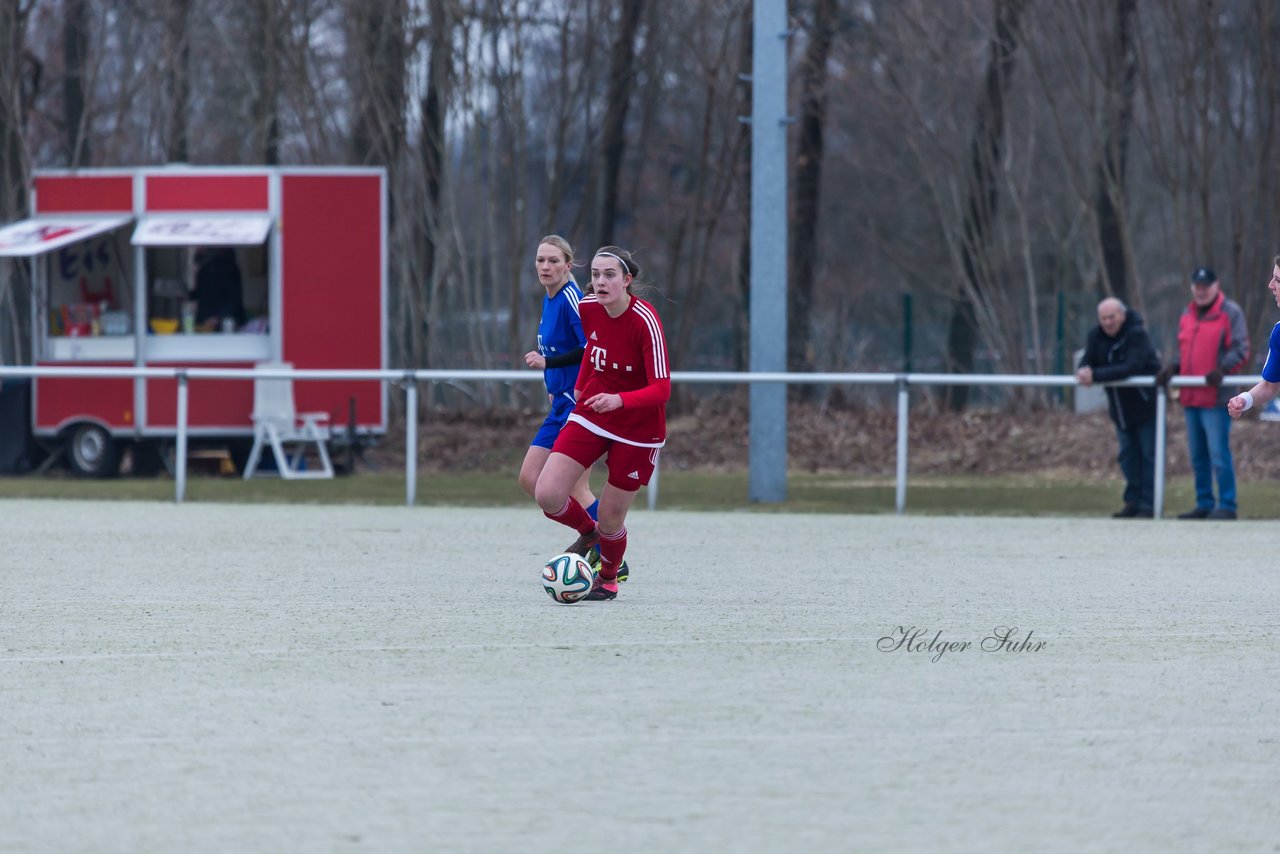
(219, 290)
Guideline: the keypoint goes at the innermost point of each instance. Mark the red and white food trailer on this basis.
(112, 267)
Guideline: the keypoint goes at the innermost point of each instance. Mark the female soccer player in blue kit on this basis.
(1266, 390)
(560, 347)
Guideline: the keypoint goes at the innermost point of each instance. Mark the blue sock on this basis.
(594, 510)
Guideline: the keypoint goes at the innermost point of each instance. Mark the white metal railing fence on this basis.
(408, 380)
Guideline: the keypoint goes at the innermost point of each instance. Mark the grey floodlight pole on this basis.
(768, 444)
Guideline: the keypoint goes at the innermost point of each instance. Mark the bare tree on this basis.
(378, 56)
(564, 92)
(75, 49)
(983, 194)
(19, 79)
(18, 72)
(697, 186)
(808, 186)
(267, 19)
(513, 144)
(617, 101)
(1210, 95)
(1140, 144)
(178, 55)
(741, 320)
(1121, 69)
(432, 155)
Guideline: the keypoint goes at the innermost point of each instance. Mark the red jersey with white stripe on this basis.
(625, 355)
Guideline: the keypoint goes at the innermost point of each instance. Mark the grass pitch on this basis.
(698, 491)
(215, 677)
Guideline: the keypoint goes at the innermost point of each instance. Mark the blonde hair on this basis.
(560, 243)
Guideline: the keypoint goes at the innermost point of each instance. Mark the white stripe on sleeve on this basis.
(659, 344)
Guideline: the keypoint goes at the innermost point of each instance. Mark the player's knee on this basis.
(611, 519)
(528, 482)
(550, 496)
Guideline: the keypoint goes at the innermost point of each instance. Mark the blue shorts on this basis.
(560, 408)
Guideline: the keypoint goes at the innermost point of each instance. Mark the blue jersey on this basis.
(1271, 369)
(560, 332)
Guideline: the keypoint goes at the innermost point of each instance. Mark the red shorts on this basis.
(630, 467)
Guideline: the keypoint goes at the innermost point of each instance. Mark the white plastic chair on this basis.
(276, 422)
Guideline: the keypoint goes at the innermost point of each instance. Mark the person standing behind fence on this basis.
(1118, 348)
(1265, 391)
(623, 388)
(1213, 341)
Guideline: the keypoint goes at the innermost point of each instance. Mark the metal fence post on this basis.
(767, 434)
(1162, 408)
(410, 439)
(180, 450)
(904, 403)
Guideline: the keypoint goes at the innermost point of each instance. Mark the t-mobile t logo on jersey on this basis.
(597, 358)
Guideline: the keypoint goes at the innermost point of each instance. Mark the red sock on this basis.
(574, 516)
(612, 548)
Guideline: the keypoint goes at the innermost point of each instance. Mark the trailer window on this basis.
(90, 288)
(206, 289)
(205, 272)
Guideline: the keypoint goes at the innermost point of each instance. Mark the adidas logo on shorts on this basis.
(635, 475)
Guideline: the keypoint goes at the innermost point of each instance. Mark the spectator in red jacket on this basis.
(1213, 341)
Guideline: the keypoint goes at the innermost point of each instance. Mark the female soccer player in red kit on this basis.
(622, 391)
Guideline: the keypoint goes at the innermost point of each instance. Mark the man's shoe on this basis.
(602, 590)
(583, 545)
(624, 571)
(1144, 513)
(1126, 512)
(1195, 513)
(1222, 513)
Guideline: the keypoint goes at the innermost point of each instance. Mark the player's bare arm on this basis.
(1260, 395)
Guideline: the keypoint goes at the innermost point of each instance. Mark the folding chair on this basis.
(276, 423)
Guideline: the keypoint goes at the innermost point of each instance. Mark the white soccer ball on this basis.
(567, 578)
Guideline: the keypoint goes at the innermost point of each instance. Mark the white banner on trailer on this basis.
(204, 230)
(47, 233)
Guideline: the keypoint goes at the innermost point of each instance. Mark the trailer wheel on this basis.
(91, 452)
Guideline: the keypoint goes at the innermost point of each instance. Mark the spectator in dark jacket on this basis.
(1118, 348)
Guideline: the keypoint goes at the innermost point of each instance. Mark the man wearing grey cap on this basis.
(1213, 341)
